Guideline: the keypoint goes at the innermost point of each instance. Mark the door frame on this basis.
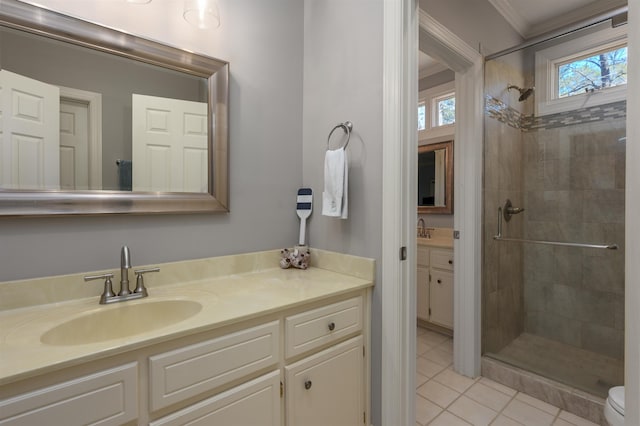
(94, 102)
(404, 25)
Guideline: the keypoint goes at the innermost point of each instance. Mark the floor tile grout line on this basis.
(453, 414)
(501, 412)
(478, 379)
(498, 412)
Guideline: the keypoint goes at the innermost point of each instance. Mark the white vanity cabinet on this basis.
(303, 366)
(434, 287)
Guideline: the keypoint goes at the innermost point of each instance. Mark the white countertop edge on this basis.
(435, 242)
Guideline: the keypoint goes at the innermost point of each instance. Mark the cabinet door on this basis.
(441, 298)
(422, 255)
(255, 403)
(422, 293)
(327, 388)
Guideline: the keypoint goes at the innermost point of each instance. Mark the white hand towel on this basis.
(336, 182)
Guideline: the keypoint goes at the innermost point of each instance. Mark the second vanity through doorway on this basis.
(434, 280)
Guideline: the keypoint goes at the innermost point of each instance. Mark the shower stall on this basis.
(553, 217)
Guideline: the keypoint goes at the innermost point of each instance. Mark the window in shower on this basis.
(597, 71)
(583, 72)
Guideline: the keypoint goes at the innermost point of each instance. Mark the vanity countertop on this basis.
(440, 238)
(225, 300)
(436, 242)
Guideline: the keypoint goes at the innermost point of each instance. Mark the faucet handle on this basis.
(108, 286)
(140, 288)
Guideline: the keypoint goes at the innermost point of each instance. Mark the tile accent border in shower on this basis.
(502, 112)
(569, 399)
(498, 110)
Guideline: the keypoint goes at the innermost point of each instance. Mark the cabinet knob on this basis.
(439, 281)
(450, 262)
(307, 384)
(332, 326)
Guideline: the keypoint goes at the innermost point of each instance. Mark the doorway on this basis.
(398, 307)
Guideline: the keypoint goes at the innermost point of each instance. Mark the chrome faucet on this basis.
(125, 265)
(108, 296)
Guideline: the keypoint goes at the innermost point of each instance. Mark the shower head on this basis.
(524, 92)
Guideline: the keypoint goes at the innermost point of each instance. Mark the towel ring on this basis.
(347, 126)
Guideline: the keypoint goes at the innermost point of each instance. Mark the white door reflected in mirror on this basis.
(29, 133)
(169, 145)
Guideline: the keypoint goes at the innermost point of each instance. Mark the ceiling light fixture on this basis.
(203, 14)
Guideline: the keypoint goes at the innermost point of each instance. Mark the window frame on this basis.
(436, 109)
(548, 60)
(429, 98)
(426, 117)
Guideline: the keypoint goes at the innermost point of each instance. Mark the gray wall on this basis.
(436, 79)
(343, 81)
(263, 43)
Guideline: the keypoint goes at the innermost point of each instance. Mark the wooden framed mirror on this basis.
(435, 178)
(29, 189)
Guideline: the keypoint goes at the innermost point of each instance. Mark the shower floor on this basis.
(581, 369)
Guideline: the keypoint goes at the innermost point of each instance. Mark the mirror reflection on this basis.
(435, 178)
(88, 120)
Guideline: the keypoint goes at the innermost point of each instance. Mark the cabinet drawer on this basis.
(188, 371)
(108, 397)
(422, 255)
(327, 324)
(442, 259)
(255, 403)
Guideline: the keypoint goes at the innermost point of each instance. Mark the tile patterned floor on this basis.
(445, 398)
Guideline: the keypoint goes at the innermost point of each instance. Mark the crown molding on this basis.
(512, 16)
(590, 10)
(528, 30)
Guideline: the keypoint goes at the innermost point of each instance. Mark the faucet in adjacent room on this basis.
(421, 227)
(108, 296)
(423, 231)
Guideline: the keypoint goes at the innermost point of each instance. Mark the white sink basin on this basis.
(118, 321)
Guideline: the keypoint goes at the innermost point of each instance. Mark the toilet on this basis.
(614, 406)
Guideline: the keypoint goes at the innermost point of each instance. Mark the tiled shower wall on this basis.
(567, 170)
(502, 292)
(574, 191)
